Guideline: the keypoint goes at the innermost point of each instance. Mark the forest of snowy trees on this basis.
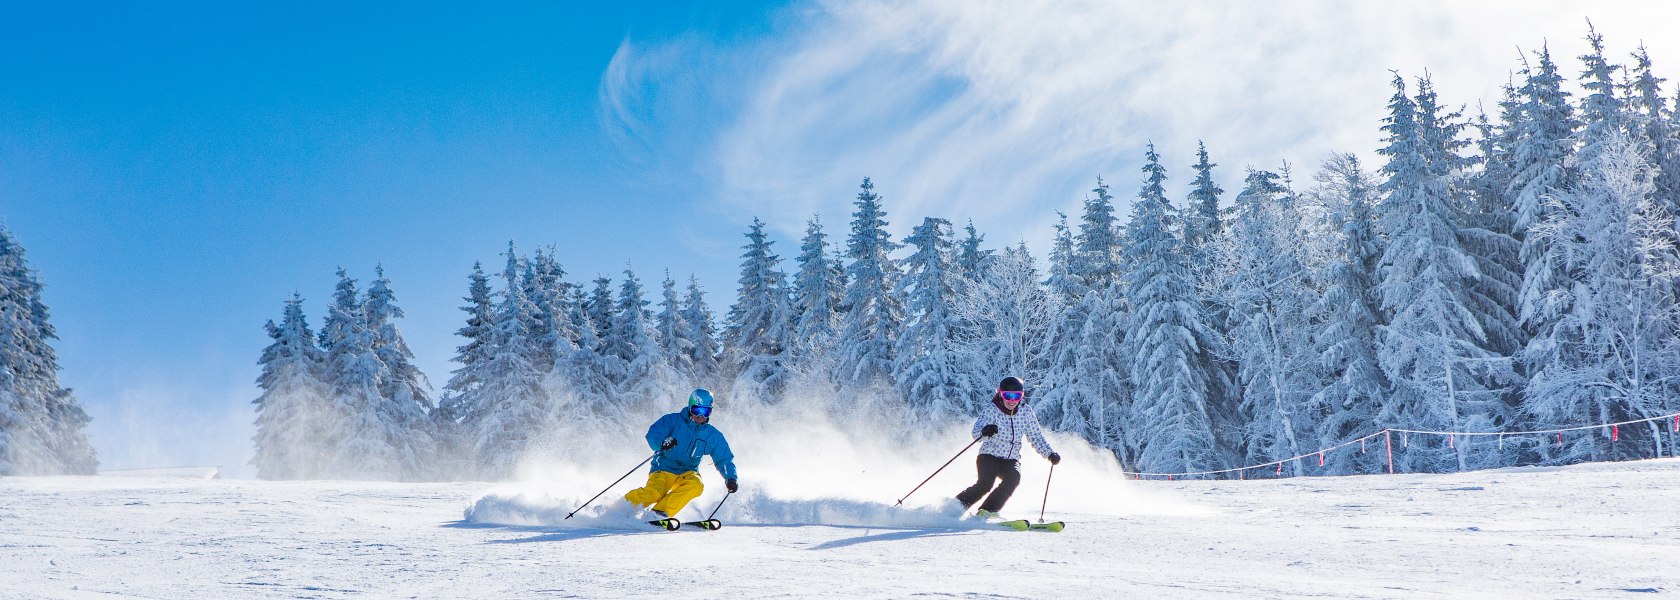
(1500, 272)
(40, 421)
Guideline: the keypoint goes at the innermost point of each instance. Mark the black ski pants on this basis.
(992, 469)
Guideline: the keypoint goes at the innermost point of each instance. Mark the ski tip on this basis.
(668, 524)
(1053, 526)
(708, 524)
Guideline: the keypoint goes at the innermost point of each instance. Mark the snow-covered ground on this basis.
(1602, 530)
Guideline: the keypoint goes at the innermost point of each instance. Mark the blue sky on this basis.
(176, 173)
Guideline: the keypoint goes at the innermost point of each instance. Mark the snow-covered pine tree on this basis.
(1488, 233)
(702, 335)
(553, 334)
(1098, 263)
(460, 400)
(402, 386)
(601, 310)
(874, 314)
(925, 368)
(293, 403)
(514, 406)
(757, 330)
(1085, 372)
(1619, 243)
(1603, 112)
(673, 329)
(1648, 114)
(1266, 295)
(586, 375)
(1167, 338)
(1348, 316)
(971, 260)
(1543, 146)
(648, 378)
(41, 422)
(1201, 220)
(1058, 404)
(473, 356)
(1432, 347)
(817, 294)
(358, 438)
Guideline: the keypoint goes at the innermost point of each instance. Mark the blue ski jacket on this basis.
(693, 441)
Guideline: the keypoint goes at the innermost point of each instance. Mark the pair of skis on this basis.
(714, 525)
(708, 524)
(1025, 525)
(673, 524)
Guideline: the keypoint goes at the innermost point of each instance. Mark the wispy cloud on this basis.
(1006, 111)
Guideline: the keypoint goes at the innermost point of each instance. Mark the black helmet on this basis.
(1011, 384)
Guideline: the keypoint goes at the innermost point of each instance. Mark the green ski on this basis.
(1025, 525)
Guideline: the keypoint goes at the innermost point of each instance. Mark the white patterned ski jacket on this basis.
(1007, 442)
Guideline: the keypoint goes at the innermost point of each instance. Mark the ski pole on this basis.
(941, 468)
(626, 474)
(1046, 500)
(720, 505)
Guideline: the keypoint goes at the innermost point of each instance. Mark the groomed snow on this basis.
(1601, 530)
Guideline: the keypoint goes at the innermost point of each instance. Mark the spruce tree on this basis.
(473, 356)
(402, 387)
(926, 368)
(817, 295)
(648, 379)
(1167, 338)
(702, 335)
(1432, 348)
(41, 423)
(673, 330)
(358, 443)
(758, 324)
(1349, 315)
(514, 406)
(874, 314)
(293, 403)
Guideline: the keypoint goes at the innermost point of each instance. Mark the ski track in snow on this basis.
(1601, 530)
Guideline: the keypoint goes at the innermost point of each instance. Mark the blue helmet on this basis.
(700, 402)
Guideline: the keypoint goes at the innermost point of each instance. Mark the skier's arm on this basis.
(657, 433)
(979, 424)
(1035, 434)
(723, 458)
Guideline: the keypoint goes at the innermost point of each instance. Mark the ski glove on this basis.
(1055, 459)
(731, 485)
(668, 444)
(989, 430)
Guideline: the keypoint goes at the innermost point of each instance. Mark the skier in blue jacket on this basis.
(681, 439)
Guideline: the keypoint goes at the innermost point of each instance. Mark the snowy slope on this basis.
(1604, 530)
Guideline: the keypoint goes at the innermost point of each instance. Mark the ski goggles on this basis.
(700, 411)
(1012, 396)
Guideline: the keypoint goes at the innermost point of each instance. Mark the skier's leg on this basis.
(986, 475)
(1010, 472)
(684, 488)
(658, 483)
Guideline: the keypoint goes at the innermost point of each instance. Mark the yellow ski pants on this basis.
(667, 492)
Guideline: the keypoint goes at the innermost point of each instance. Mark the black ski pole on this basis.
(720, 505)
(626, 474)
(941, 468)
(1046, 500)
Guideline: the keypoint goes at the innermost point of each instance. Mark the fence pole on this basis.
(1388, 440)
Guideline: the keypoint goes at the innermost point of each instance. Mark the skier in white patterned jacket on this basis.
(1000, 455)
